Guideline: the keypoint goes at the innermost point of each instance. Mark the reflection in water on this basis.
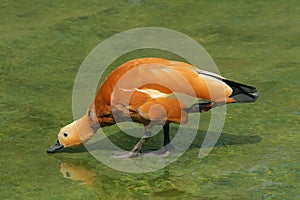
(112, 185)
(77, 173)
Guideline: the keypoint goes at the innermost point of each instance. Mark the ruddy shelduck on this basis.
(145, 91)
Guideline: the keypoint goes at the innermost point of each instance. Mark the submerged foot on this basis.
(151, 153)
(158, 153)
(162, 152)
(128, 154)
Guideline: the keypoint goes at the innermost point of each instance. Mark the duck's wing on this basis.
(160, 79)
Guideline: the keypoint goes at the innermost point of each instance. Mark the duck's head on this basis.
(74, 134)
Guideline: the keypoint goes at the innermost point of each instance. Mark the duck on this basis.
(145, 91)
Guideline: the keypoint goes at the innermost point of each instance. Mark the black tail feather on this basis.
(242, 93)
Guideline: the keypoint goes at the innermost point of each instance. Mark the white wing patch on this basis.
(153, 93)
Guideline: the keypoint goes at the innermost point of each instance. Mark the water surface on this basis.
(43, 45)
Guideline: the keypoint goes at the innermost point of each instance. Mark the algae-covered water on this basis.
(43, 43)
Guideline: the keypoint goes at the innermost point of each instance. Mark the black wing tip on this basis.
(242, 93)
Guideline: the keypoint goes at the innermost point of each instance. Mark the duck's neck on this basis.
(85, 129)
(93, 120)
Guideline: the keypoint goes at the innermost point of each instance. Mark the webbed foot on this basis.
(128, 154)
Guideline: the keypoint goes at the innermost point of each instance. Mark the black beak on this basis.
(56, 147)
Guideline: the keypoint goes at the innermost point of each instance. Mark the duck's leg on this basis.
(162, 152)
(167, 144)
(138, 147)
(136, 150)
(167, 147)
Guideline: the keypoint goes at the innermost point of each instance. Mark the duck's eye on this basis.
(65, 134)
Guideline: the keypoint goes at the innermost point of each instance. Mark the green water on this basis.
(43, 44)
